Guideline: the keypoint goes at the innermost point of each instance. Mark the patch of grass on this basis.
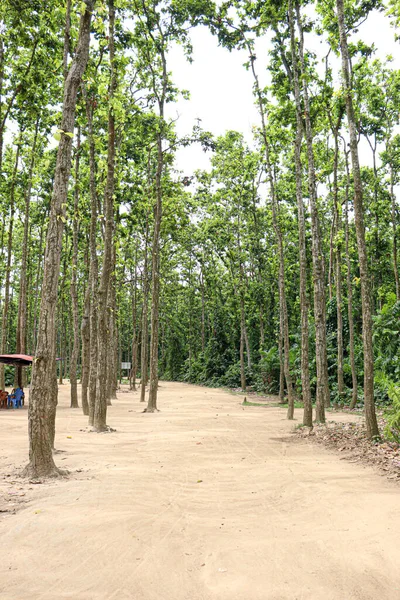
(246, 403)
(297, 404)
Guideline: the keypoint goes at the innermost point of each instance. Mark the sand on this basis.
(204, 500)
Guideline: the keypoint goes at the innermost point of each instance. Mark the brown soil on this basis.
(205, 500)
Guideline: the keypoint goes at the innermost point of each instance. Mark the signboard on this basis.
(126, 365)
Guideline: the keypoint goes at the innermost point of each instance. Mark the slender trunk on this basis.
(338, 266)
(203, 315)
(350, 292)
(323, 396)
(262, 329)
(94, 267)
(62, 320)
(247, 344)
(278, 234)
(155, 284)
(100, 409)
(67, 41)
(38, 272)
(43, 392)
(331, 257)
(370, 415)
(23, 296)
(243, 333)
(85, 336)
(73, 290)
(133, 373)
(112, 362)
(155, 275)
(6, 304)
(145, 319)
(304, 304)
(281, 362)
(394, 226)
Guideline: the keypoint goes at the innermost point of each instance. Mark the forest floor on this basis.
(205, 500)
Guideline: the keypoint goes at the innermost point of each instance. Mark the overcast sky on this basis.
(221, 88)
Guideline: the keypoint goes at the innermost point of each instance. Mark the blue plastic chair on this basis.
(19, 394)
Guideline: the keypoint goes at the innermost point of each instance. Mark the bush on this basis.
(392, 414)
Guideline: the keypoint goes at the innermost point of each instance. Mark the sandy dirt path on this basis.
(204, 500)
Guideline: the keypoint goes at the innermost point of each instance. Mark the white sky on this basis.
(221, 88)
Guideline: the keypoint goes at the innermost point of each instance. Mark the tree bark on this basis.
(73, 290)
(155, 275)
(23, 299)
(133, 373)
(354, 396)
(394, 226)
(281, 362)
(338, 262)
(85, 336)
(100, 409)
(145, 319)
(322, 396)
(42, 401)
(278, 233)
(304, 303)
(94, 266)
(370, 415)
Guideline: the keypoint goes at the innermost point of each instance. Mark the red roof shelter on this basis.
(16, 360)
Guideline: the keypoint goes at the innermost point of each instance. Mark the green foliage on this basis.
(392, 414)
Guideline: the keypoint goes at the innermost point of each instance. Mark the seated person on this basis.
(11, 398)
(3, 399)
(19, 395)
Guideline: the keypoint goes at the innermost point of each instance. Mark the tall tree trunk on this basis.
(338, 263)
(6, 304)
(304, 304)
(85, 336)
(278, 234)
(67, 40)
(133, 373)
(43, 392)
(394, 226)
(370, 415)
(241, 351)
(331, 257)
(23, 296)
(73, 290)
(281, 361)
(323, 396)
(145, 319)
(40, 266)
(62, 337)
(203, 310)
(112, 363)
(93, 267)
(100, 409)
(155, 284)
(155, 274)
(350, 289)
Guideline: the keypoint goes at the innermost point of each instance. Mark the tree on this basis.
(43, 395)
(371, 422)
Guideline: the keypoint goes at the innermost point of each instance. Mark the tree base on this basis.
(50, 472)
(102, 429)
(151, 410)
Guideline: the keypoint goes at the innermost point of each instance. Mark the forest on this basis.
(275, 270)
